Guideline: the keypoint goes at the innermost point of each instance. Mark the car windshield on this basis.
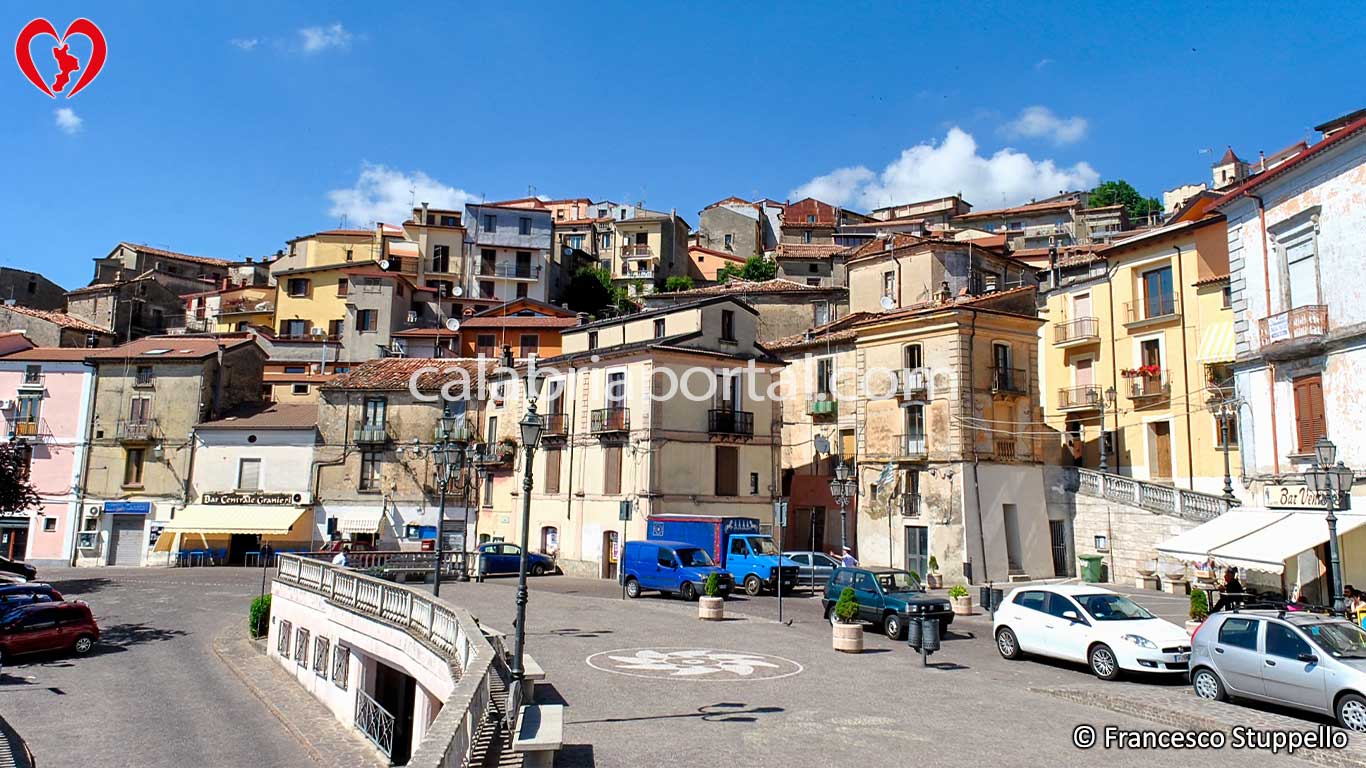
(1341, 639)
(1112, 608)
(693, 558)
(898, 581)
(762, 545)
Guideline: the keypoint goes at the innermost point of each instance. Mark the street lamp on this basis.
(1225, 411)
(532, 425)
(1333, 483)
(843, 489)
(1107, 398)
(449, 454)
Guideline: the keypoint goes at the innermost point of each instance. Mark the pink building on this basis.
(45, 397)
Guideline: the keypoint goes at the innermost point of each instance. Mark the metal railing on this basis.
(637, 252)
(33, 380)
(724, 421)
(913, 382)
(915, 446)
(517, 271)
(1079, 398)
(1149, 385)
(1163, 306)
(375, 722)
(610, 420)
(1080, 329)
(467, 432)
(556, 424)
(1003, 449)
(818, 407)
(370, 434)
(1308, 322)
(1010, 380)
(1154, 497)
(136, 429)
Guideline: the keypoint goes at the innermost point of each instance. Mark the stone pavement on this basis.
(327, 741)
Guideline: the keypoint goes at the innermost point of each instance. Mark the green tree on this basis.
(592, 291)
(1123, 193)
(16, 491)
(678, 283)
(755, 268)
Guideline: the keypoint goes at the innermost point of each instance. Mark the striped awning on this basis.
(1216, 343)
(224, 519)
(404, 248)
(360, 521)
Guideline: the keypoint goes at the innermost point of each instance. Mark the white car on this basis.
(1085, 623)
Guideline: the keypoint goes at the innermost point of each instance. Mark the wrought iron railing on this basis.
(1148, 385)
(610, 420)
(136, 429)
(375, 722)
(1152, 308)
(1080, 329)
(727, 422)
(913, 382)
(1003, 449)
(1079, 398)
(1009, 380)
(518, 271)
(827, 406)
(915, 446)
(556, 424)
(370, 434)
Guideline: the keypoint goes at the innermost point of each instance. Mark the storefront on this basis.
(116, 533)
(14, 535)
(230, 529)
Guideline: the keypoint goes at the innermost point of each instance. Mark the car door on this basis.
(868, 596)
(1236, 655)
(737, 559)
(1067, 638)
(510, 559)
(1026, 619)
(37, 631)
(1285, 676)
(821, 567)
(803, 561)
(666, 570)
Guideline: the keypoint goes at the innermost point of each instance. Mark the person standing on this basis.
(340, 558)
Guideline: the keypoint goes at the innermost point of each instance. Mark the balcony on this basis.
(913, 383)
(1075, 333)
(816, 406)
(726, 422)
(1086, 398)
(604, 421)
(915, 447)
(556, 425)
(1293, 333)
(1005, 449)
(637, 252)
(26, 429)
(370, 434)
(467, 432)
(136, 430)
(1149, 385)
(517, 271)
(33, 380)
(1009, 381)
(1146, 312)
(246, 308)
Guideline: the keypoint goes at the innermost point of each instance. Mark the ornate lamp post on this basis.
(843, 489)
(449, 454)
(1333, 483)
(1107, 398)
(1225, 411)
(532, 426)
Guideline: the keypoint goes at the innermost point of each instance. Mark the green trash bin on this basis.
(1091, 566)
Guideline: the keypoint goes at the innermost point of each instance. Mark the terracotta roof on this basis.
(514, 321)
(1212, 280)
(808, 250)
(513, 307)
(1229, 157)
(175, 348)
(394, 373)
(1338, 122)
(1346, 132)
(346, 233)
(1057, 205)
(731, 199)
(267, 416)
(174, 255)
(738, 287)
(95, 287)
(936, 306)
(843, 329)
(59, 318)
(50, 354)
(1286, 153)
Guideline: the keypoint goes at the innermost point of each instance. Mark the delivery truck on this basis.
(734, 543)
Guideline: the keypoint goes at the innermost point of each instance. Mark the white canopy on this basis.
(1267, 549)
(360, 521)
(1196, 544)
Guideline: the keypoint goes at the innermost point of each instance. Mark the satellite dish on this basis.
(568, 251)
(887, 303)
(452, 324)
(821, 444)
(384, 264)
(457, 291)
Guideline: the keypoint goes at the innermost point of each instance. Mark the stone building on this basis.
(50, 328)
(30, 289)
(785, 307)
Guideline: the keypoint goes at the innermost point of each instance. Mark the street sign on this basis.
(780, 513)
(624, 512)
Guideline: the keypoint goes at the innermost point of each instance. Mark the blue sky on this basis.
(225, 131)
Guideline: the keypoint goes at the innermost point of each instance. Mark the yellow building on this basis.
(1140, 333)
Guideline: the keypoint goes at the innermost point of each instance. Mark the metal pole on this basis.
(1339, 603)
(445, 475)
(844, 522)
(780, 565)
(1228, 473)
(519, 644)
(1104, 463)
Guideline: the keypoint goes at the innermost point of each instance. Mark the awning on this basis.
(1216, 343)
(404, 248)
(1268, 548)
(360, 521)
(1196, 544)
(222, 519)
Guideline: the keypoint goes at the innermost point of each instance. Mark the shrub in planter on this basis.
(258, 617)
(933, 579)
(710, 607)
(1199, 610)
(962, 600)
(847, 632)
(846, 608)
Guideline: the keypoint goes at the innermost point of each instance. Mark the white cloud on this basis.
(1040, 123)
(953, 166)
(245, 43)
(1041, 63)
(385, 194)
(68, 121)
(318, 39)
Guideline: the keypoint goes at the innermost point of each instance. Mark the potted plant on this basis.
(848, 632)
(1199, 611)
(933, 578)
(962, 600)
(711, 607)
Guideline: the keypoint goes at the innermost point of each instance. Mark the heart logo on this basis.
(67, 64)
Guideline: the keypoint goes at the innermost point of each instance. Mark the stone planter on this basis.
(934, 581)
(847, 638)
(962, 606)
(1146, 582)
(711, 608)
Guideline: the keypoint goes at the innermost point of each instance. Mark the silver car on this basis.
(813, 568)
(1301, 660)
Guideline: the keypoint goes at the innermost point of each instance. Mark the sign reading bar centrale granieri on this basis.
(253, 498)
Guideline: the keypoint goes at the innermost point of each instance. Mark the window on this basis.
(367, 319)
(1282, 641)
(487, 500)
(1033, 600)
(490, 223)
(730, 241)
(343, 286)
(1159, 298)
(27, 410)
(659, 328)
(611, 472)
(616, 389)
(49, 525)
(450, 221)
(821, 313)
(282, 638)
(524, 226)
(33, 374)
(441, 258)
(294, 329)
(810, 218)
(738, 546)
(299, 389)
(296, 369)
(523, 290)
(375, 411)
(341, 665)
(592, 339)
(321, 657)
(1060, 604)
(298, 287)
(335, 328)
(249, 475)
(530, 344)
(1226, 293)
(665, 558)
(349, 254)
(369, 470)
(1309, 419)
(301, 647)
(914, 356)
(1232, 431)
(727, 325)
(606, 240)
(1239, 633)
(132, 466)
(32, 286)
(825, 375)
(1300, 268)
(486, 290)
(727, 469)
(483, 345)
(753, 483)
(889, 284)
(806, 236)
(551, 484)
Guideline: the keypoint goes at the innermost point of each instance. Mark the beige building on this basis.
(906, 271)
(650, 247)
(620, 435)
(785, 307)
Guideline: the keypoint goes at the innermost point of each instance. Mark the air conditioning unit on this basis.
(303, 498)
(6, 405)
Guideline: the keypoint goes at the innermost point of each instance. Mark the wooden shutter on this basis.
(552, 470)
(1309, 420)
(727, 471)
(611, 479)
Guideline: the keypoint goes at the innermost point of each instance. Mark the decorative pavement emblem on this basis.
(693, 664)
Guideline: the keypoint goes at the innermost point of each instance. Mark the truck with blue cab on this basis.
(734, 543)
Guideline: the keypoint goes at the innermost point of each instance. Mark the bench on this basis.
(532, 673)
(540, 734)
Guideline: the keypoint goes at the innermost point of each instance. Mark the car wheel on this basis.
(688, 591)
(1351, 711)
(1008, 644)
(83, 645)
(893, 626)
(752, 585)
(1103, 662)
(830, 614)
(538, 569)
(632, 588)
(1207, 685)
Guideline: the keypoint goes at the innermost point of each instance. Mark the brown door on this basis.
(611, 554)
(1161, 468)
(1309, 421)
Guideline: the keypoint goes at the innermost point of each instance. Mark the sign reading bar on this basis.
(253, 498)
(1297, 497)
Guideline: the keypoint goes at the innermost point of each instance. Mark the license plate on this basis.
(1182, 657)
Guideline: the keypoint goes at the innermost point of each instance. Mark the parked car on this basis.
(502, 558)
(18, 568)
(12, 595)
(1106, 630)
(886, 597)
(669, 567)
(38, 627)
(813, 568)
(1303, 660)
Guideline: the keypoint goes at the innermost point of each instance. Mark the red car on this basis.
(42, 627)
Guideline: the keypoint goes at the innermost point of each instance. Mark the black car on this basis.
(12, 595)
(886, 598)
(18, 568)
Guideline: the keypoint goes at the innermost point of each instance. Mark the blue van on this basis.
(669, 567)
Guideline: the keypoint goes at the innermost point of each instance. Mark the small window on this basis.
(296, 369)
(249, 475)
(888, 284)
(806, 236)
(754, 483)
(659, 328)
(367, 320)
(298, 287)
(810, 218)
(592, 339)
(490, 223)
(321, 656)
(370, 462)
(524, 226)
(341, 665)
(283, 637)
(144, 375)
(727, 325)
(1282, 641)
(1226, 294)
(301, 647)
(343, 285)
(730, 241)
(49, 525)
(299, 389)
(1239, 633)
(132, 467)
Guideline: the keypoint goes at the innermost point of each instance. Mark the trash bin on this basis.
(1091, 568)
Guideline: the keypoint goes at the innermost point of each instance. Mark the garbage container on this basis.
(1091, 568)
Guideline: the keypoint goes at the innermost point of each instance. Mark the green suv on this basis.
(886, 597)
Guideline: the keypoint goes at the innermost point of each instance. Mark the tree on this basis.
(755, 268)
(1123, 193)
(677, 283)
(592, 291)
(16, 491)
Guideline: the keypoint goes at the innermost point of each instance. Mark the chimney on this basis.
(582, 318)
(1261, 162)
(424, 213)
